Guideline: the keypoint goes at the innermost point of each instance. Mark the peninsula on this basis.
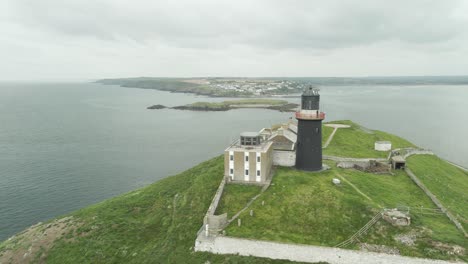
(298, 191)
(159, 223)
(280, 105)
(264, 87)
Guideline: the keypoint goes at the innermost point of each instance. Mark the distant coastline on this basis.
(270, 86)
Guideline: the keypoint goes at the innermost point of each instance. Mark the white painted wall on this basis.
(246, 165)
(231, 165)
(258, 167)
(382, 146)
(284, 158)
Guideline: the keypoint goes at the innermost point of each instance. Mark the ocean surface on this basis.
(64, 146)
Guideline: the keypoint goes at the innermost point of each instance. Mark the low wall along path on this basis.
(303, 253)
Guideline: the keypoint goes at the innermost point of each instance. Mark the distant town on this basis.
(252, 86)
(264, 87)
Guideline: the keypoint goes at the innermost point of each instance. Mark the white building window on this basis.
(231, 164)
(246, 166)
(258, 167)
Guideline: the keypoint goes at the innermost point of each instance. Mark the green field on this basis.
(274, 104)
(301, 207)
(235, 197)
(326, 132)
(307, 208)
(256, 101)
(155, 224)
(358, 142)
(447, 182)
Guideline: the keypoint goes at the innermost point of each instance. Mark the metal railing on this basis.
(312, 116)
(361, 231)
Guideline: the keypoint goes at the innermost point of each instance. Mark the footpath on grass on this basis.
(303, 253)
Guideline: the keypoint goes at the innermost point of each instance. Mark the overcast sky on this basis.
(88, 39)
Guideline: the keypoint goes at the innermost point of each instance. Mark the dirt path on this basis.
(357, 189)
(335, 128)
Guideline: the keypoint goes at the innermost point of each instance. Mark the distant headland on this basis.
(270, 86)
(279, 105)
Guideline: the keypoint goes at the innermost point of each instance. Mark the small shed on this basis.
(383, 145)
(398, 162)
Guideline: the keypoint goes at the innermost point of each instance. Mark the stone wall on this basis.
(284, 158)
(303, 253)
(215, 223)
(351, 164)
(436, 201)
(336, 158)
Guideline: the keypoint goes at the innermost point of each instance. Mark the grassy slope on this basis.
(303, 207)
(326, 132)
(155, 224)
(359, 143)
(256, 102)
(158, 224)
(235, 197)
(447, 182)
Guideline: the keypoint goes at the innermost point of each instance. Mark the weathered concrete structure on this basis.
(396, 217)
(284, 158)
(383, 145)
(398, 162)
(249, 160)
(213, 224)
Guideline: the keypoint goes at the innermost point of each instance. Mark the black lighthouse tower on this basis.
(309, 132)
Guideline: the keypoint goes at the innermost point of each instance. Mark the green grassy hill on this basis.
(306, 208)
(358, 142)
(155, 224)
(301, 207)
(159, 223)
(447, 182)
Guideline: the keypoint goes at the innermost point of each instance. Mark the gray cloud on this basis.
(213, 31)
(277, 24)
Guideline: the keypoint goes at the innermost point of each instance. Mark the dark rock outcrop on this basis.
(158, 106)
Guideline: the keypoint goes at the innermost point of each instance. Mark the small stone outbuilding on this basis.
(398, 162)
(383, 145)
(396, 217)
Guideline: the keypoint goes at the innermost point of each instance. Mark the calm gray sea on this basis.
(67, 145)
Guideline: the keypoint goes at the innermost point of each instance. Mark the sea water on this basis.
(64, 146)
